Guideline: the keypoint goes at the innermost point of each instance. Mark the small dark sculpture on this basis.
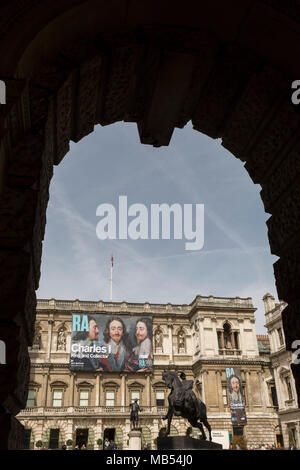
(134, 414)
(183, 402)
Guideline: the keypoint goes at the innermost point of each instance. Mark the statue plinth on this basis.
(184, 442)
(135, 439)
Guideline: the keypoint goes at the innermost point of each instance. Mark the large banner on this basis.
(236, 397)
(111, 343)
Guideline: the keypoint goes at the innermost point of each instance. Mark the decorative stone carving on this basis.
(37, 340)
(64, 118)
(181, 341)
(258, 97)
(158, 340)
(231, 71)
(90, 75)
(61, 339)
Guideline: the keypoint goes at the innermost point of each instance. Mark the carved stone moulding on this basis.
(252, 110)
(232, 70)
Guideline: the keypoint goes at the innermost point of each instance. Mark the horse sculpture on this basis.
(183, 402)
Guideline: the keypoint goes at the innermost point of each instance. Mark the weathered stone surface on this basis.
(25, 162)
(284, 225)
(64, 118)
(252, 109)
(273, 141)
(17, 216)
(225, 85)
(87, 98)
(14, 377)
(287, 274)
(11, 432)
(120, 83)
(291, 323)
(15, 267)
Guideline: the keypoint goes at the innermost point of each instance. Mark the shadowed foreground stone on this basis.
(185, 443)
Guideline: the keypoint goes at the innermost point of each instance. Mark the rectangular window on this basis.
(238, 430)
(135, 394)
(57, 397)
(54, 439)
(274, 397)
(280, 335)
(224, 393)
(31, 398)
(289, 388)
(160, 398)
(84, 398)
(110, 398)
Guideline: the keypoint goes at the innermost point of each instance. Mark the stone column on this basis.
(294, 391)
(123, 389)
(241, 335)
(170, 328)
(201, 332)
(278, 384)
(97, 395)
(69, 431)
(45, 387)
(262, 390)
(248, 385)
(50, 327)
(219, 389)
(72, 388)
(148, 390)
(204, 373)
(285, 435)
(98, 432)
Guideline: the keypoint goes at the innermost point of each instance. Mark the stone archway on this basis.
(110, 66)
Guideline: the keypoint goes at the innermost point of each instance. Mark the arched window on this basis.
(227, 336)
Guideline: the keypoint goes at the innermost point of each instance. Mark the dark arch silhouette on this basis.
(72, 64)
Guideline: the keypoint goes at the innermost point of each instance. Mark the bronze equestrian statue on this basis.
(134, 414)
(183, 402)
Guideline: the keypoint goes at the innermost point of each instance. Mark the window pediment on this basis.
(159, 385)
(58, 384)
(135, 384)
(110, 384)
(84, 384)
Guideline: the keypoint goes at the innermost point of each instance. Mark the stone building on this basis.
(202, 339)
(283, 380)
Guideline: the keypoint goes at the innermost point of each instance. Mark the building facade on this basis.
(202, 339)
(283, 380)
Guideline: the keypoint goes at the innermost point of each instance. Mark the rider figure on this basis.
(134, 414)
(187, 386)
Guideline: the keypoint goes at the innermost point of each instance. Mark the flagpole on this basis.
(111, 270)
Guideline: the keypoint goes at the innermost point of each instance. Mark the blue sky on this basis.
(234, 261)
